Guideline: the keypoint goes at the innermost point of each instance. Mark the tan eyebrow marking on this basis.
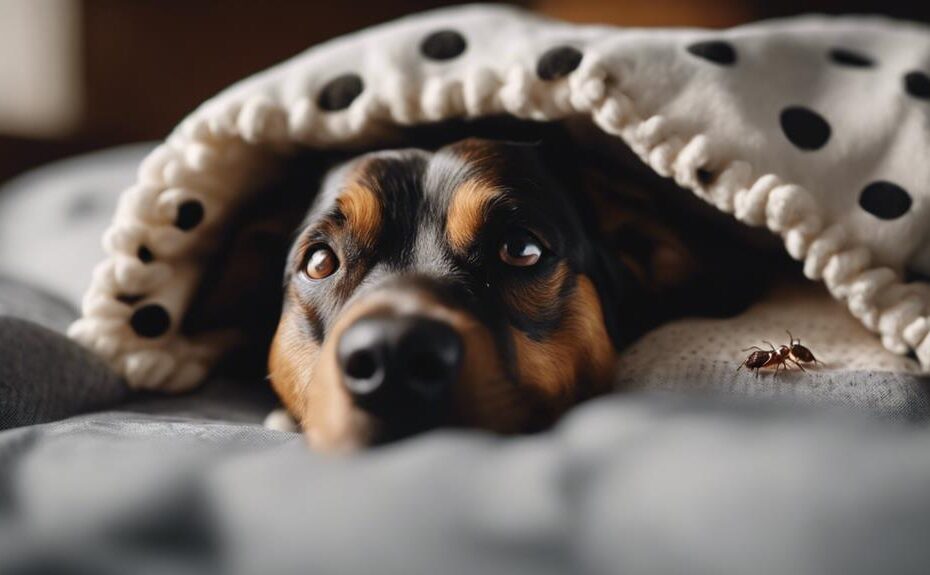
(468, 210)
(362, 210)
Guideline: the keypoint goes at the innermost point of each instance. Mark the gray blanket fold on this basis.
(634, 484)
(44, 376)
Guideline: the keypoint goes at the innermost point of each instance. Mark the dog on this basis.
(485, 283)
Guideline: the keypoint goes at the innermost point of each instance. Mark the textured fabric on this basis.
(625, 485)
(763, 121)
(703, 355)
(220, 399)
(44, 376)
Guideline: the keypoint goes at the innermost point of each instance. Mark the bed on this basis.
(694, 468)
(691, 467)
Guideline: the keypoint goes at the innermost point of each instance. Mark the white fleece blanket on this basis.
(816, 128)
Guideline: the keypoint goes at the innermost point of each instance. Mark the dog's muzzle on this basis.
(401, 369)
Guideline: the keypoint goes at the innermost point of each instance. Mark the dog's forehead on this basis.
(369, 170)
(431, 176)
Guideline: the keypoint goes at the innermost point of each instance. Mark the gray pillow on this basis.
(24, 301)
(44, 376)
(52, 218)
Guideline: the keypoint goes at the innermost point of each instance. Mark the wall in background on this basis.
(40, 80)
(76, 75)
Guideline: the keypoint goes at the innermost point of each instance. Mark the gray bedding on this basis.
(632, 483)
(627, 484)
(95, 480)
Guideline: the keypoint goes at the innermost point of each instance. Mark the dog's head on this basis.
(456, 287)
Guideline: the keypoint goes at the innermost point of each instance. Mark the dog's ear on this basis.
(635, 253)
(637, 228)
(622, 213)
(243, 282)
(622, 296)
(686, 257)
(640, 266)
(242, 288)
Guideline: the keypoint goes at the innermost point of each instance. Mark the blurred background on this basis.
(77, 75)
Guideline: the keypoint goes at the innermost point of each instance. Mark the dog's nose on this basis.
(399, 366)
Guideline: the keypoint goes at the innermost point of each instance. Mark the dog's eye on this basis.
(520, 248)
(322, 263)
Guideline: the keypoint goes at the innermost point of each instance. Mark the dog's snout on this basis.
(399, 364)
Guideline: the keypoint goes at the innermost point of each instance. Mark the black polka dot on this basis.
(917, 84)
(845, 57)
(190, 214)
(805, 128)
(340, 92)
(443, 45)
(145, 255)
(150, 321)
(885, 200)
(558, 62)
(716, 51)
(705, 176)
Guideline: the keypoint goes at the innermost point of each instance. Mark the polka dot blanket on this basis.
(816, 128)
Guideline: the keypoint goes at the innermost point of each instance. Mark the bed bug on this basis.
(779, 357)
(798, 353)
(766, 358)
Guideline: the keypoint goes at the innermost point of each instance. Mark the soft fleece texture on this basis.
(814, 127)
(44, 376)
(624, 485)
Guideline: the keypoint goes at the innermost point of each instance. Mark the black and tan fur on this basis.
(417, 232)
